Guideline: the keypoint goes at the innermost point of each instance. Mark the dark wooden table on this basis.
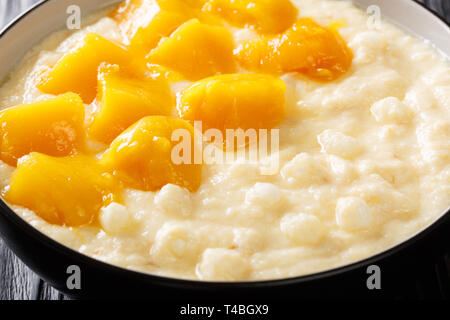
(17, 282)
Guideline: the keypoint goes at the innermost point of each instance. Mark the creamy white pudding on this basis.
(364, 165)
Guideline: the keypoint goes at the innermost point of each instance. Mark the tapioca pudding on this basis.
(105, 134)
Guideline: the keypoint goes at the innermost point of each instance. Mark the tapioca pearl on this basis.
(263, 194)
(138, 201)
(212, 203)
(174, 200)
(302, 228)
(421, 52)
(223, 265)
(385, 201)
(436, 131)
(391, 110)
(251, 214)
(341, 169)
(365, 90)
(174, 241)
(248, 240)
(63, 235)
(442, 97)
(241, 35)
(337, 143)
(353, 214)
(434, 142)
(397, 172)
(368, 46)
(419, 97)
(392, 170)
(439, 76)
(115, 218)
(369, 39)
(392, 131)
(304, 170)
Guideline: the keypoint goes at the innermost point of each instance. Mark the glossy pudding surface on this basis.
(114, 138)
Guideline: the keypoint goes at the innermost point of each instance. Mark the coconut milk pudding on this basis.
(361, 115)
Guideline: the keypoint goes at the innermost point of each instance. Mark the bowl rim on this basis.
(72, 254)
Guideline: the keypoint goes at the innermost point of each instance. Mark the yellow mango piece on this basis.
(196, 50)
(266, 16)
(77, 71)
(181, 3)
(124, 99)
(142, 155)
(317, 52)
(66, 191)
(54, 127)
(145, 23)
(191, 9)
(126, 10)
(162, 25)
(246, 101)
(133, 14)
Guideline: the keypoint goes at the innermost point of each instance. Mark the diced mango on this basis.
(162, 25)
(66, 191)
(145, 23)
(77, 71)
(317, 52)
(124, 99)
(246, 101)
(190, 8)
(133, 14)
(54, 127)
(193, 3)
(196, 50)
(126, 10)
(142, 156)
(266, 16)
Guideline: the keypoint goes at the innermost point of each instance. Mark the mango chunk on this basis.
(77, 71)
(133, 14)
(196, 50)
(54, 127)
(65, 191)
(246, 101)
(265, 16)
(192, 9)
(162, 25)
(142, 155)
(126, 10)
(317, 52)
(124, 99)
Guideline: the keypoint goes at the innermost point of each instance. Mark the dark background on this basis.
(19, 283)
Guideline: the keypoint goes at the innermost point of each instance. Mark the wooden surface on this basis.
(16, 280)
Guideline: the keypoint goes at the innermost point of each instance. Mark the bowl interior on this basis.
(17, 39)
